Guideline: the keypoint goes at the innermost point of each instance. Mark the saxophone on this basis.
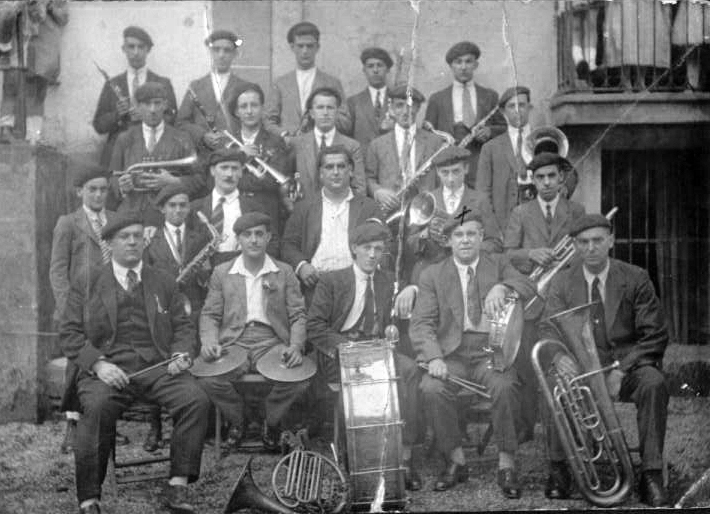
(207, 251)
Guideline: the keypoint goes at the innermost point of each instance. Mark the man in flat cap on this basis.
(120, 319)
(449, 331)
(255, 302)
(151, 141)
(354, 304)
(628, 326)
(117, 109)
(368, 109)
(203, 112)
(285, 111)
(323, 106)
(460, 108)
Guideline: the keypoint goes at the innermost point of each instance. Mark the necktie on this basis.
(178, 244)
(404, 156)
(548, 215)
(368, 312)
(152, 140)
(217, 218)
(131, 281)
(474, 302)
(105, 249)
(323, 144)
(598, 323)
(469, 116)
(522, 168)
(135, 83)
(378, 106)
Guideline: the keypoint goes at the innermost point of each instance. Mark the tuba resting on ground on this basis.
(583, 412)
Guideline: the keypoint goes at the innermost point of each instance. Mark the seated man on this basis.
(255, 302)
(449, 331)
(628, 326)
(120, 319)
(354, 303)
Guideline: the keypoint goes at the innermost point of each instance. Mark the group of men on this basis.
(311, 266)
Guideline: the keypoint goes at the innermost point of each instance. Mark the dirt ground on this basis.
(36, 478)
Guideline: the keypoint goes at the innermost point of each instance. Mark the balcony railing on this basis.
(633, 45)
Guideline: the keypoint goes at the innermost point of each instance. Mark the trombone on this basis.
(141, 170)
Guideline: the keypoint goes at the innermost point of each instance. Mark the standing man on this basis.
(121, 319)
(254, 302)
(286, 111)
(461, 107)
(323, 105)
(628, 326)
(449, 331)
(368, 109)
(214, 92)
(117, 109)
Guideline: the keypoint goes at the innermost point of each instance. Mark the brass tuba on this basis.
(247, 495)
(547, 139)
(583, 412)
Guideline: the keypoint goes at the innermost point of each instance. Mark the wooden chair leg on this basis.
(217, 434)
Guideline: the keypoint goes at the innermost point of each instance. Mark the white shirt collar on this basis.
(172, 228)
(302, 74)
(360, 274)
(216, 195)
(120, 272)
(92, 214)
(137, 72)
(239, 268)
(447, 193)
(248, 140)
(463, 268)
(513, 132)
(460, 85)
(589, 276)
(329, 136)
(331, 202)
(158, 131)
(373, 94)
(552, 204)
(400, 131)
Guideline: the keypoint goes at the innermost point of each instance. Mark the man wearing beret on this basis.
(354, 304)
(255, 302)
(459, 108)
(120, 319)
(285, 112)
(207, 116)
(117, 109)
(368, 109)
(151, 141)
(449, 331)
(628, 326)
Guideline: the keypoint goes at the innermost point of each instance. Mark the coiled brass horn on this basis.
(247, 495)
(583, 413)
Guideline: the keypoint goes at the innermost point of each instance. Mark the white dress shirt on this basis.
(383, 95)
(359, 303)
(452, 199)
(249, 140)
(157, 130)
(552, 204)
(589, 277)
(131, 73)
(463, 278)
(121, 273)
(399, 134)
(305, 79)
(456, 93)
(232, 210)
(329, 136)
(513, 135)
(93, 215)
(255, 285)
(219, 83)
(171, 237)
(333, 251)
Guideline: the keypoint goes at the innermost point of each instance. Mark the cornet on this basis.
(142, 170)
(262, 168)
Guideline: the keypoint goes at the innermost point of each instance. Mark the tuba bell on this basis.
(547, 139)
(247, 495)
(582, 410)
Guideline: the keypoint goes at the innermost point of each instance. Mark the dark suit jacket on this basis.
(635, 325)
(332, 301)
(75, 250)
(437, 322)
(223, 316)
(106, 118)
(305, 153)
(440, 113)
(282, 109)
(527, 229)
(303, 228)
(365, 124)
(88, 326)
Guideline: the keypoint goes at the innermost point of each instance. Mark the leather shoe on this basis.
(508, 482)
(234, 439)
(652, 491)
(69, 442)
(412, 480)
(91, 509)
(271, 438)
(175, 497)
(559, 481)
(452, 475)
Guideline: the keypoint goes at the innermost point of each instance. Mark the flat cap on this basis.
(462, 48)
(250, 220)
(119, 222)
(375, 52)
(451, 155)
(151, 90)
(86, 173)
(224, 34)
(372, 229)
(138, 33)
(303, 28)
(227, 154)
(589, 221)
(548, 158)
(401, 92)
(168, 192)
(467, 215)
(511, 92)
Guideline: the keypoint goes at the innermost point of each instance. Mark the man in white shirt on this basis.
(255, 302)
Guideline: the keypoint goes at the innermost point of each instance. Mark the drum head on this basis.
(513, 335)
(272, 366)
(233, 357)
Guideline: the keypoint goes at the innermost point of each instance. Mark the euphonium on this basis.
(138, 171)
(423, 210)
(583, 412)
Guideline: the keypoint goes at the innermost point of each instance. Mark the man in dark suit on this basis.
(628, 326)
(118, 320)
(323, 104)
(117, 109)
(462, 107)
(354, 303)
(368, 109)
(316, 235)
(254, 302)
(449, 331)
(213, 91)
(285, 110)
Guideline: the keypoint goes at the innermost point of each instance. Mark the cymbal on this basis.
(233, 357)
(271, 365)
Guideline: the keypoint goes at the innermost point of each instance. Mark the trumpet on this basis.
(141, 170)
(263, 168)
